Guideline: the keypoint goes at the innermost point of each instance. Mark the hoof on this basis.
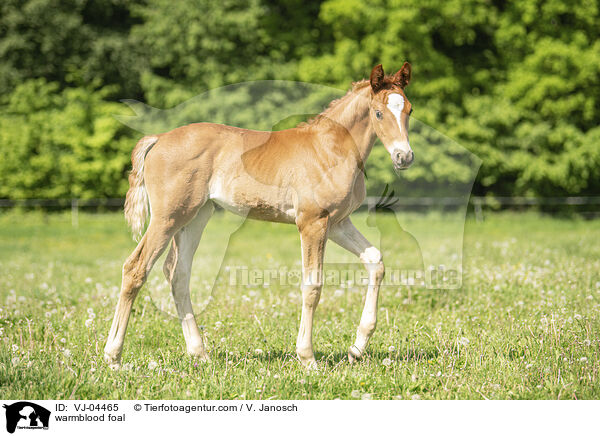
(112, 362)
(354, 354)
(200, 355)
(308, 363)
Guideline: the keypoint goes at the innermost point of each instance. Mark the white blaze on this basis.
(396, 105)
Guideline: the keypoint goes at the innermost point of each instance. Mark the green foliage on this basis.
(201, 44)
(517, 84)
(73, 42)
(62, 144)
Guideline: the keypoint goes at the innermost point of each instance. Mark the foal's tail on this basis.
(136, 202)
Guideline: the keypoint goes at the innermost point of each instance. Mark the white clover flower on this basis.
(89, 322)
(152, 365)
(63, 340)
(355, 393)
(464, 341)
(67, 352)
(387, 361)
(583, 359)
(15, 348)
(392, 349)
(258, 351)
(577, 316)
(587, 342)
(415, 397)
(302, 381)
(218, 325)
(338, 293)
(223, 340)
(15, 361)
(366, 396)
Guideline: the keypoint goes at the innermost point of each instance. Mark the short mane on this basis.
(356, 86)
(388, 82)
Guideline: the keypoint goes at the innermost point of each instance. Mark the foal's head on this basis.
(389, 112)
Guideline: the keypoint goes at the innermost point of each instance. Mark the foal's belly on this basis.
(266, 203)
(263, 212)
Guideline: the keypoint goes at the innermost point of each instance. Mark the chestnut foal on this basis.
(311, 175)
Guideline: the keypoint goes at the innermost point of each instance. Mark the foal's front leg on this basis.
(313, 236)
(347, 236)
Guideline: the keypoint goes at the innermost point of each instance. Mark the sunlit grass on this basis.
(524, 325)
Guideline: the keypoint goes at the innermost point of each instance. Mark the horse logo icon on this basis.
(26, 415)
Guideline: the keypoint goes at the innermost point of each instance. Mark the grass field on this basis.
(524, 325)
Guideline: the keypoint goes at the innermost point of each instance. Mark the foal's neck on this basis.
(352, 112)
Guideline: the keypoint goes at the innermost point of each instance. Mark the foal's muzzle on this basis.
(402, 159)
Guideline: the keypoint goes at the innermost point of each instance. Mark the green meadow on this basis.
(524, 325)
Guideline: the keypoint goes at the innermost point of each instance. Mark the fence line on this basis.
(478, 203)
(63, 202)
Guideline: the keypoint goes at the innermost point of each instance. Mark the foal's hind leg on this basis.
(135, 271)
(347, 236)
(313, 236)
(177, 269)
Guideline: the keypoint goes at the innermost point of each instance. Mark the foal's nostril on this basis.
(403, 159)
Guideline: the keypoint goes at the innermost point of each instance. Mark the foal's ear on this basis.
(402, 77)
(376, 78)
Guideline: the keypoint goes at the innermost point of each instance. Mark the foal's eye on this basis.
(379, 115)
(410, 112)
